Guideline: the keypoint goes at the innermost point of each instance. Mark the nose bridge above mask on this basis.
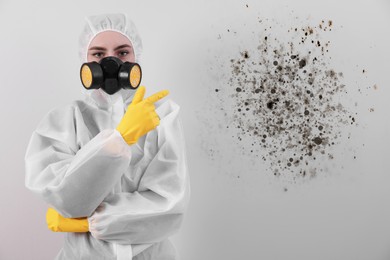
(110, 74)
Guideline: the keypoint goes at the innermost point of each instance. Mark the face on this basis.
(110, 43)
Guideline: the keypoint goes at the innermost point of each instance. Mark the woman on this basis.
(129, 195)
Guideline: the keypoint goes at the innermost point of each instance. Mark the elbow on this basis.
(66, 206)
(73, 212)
(75, 209)
(69, 207)
(68, 211)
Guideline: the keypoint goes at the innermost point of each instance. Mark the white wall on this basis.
(343, 213)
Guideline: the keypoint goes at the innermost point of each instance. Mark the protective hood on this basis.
(109, 22)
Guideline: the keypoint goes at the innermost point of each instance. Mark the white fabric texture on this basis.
(109, 22)
(134, 196)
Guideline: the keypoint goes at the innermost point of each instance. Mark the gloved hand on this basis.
(140, 116)
(58, 223)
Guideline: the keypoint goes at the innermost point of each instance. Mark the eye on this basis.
(97, 54)
(123, 53)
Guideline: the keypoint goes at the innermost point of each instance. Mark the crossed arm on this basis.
(77, 183)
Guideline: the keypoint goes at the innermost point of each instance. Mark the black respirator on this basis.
(110, 74)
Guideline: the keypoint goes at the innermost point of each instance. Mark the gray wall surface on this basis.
(248, 200)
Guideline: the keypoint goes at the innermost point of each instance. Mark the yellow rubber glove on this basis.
(58, 223)
(140, 116)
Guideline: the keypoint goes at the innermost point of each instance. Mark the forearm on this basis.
(76, 185)
(137, 218)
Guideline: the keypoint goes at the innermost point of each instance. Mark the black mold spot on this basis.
(302, 63)
(317, 140)
(285, 100)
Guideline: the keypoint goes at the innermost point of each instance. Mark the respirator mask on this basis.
(110, 74)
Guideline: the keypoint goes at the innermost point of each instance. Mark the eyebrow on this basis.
(97, 48)
(122, 46)
(103, 49)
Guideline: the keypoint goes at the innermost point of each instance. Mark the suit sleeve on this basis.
(73, 180)
(156, 210)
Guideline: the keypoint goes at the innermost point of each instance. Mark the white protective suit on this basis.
(134, 196)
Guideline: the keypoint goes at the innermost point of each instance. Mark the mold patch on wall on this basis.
(280, 101)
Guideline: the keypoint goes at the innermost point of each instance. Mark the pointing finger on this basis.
(159, 95)
(139, 95)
